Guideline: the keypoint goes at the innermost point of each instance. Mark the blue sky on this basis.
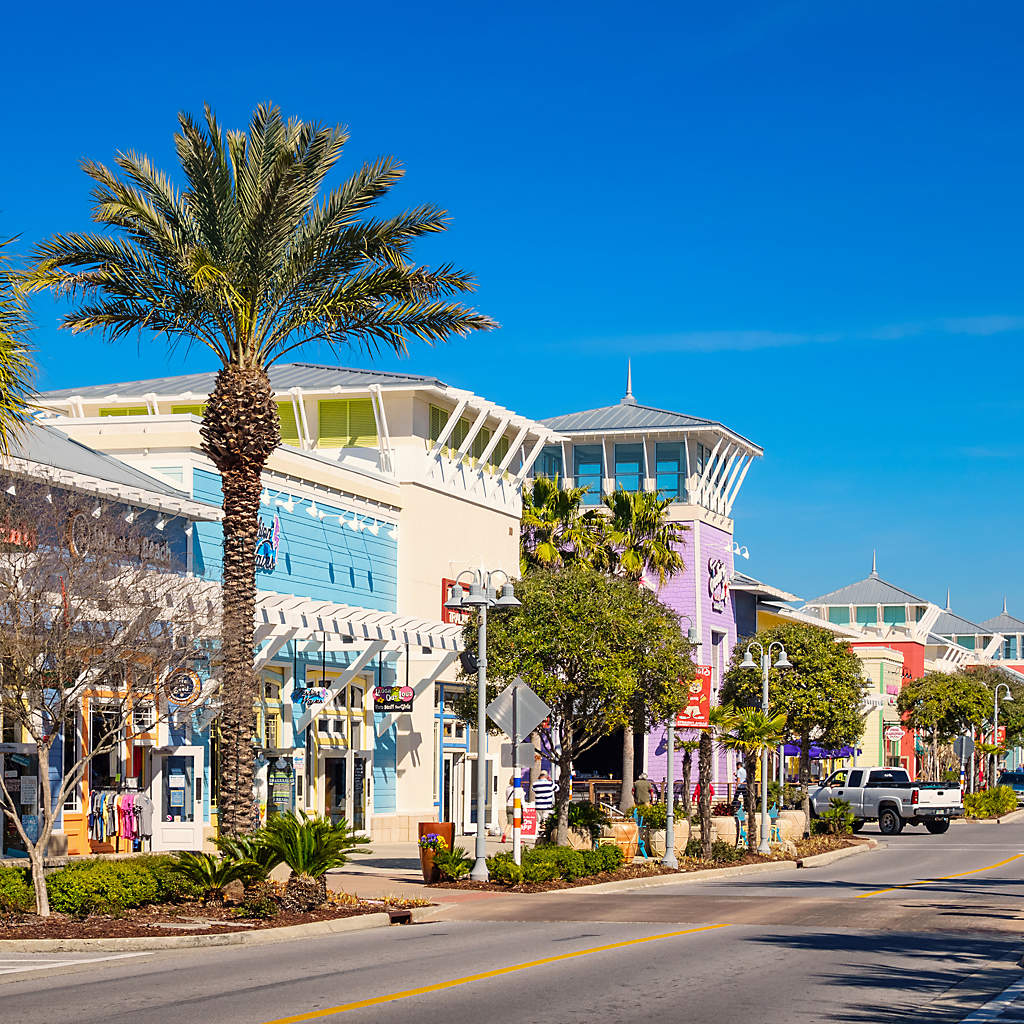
(803, 219)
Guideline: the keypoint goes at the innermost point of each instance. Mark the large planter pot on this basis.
(657, 839)
(579, 840)
(445, 829)
(626, 835)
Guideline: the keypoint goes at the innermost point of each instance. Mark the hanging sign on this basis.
(718, 584)
(894, 732)
(529, 821)
(268, 538)
(1000, 736)
(183, 688)
(391, 699)
(697, 713)
(313, 695)
(455, 616)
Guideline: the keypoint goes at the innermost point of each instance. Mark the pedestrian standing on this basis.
(543, 796)
(741, 786)
(642, 790)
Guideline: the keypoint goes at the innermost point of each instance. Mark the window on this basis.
(195, 410)
(629, 467)
(855, 779)
(588, 468)
(839, 615)
(1010, 647)
(966, 641)
(499, 453)
(69, 755)
(289, 428)
(894, 615)
(105, 767)
(867, 615)
(133, 410)
(271, 730)
(347, 423)
(897, 777)
(670, 471)
(480, 442)
(143, 717)
(438, 421)
(550, 462)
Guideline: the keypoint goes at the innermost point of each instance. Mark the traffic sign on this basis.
(530, 710)
(963, 747)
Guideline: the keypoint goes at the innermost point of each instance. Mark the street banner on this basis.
(697, 713)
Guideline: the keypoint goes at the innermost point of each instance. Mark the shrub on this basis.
(107, 887)
(612, 857)
(309, 845)
(722, 809)
(593, 862)
(655, 816)
(726, 852)
(837, 820)
(260, 900)
(535, 870)
(453, 864)
(693, 848)
(583, 816)
(503, 870)
(990, 803)
(213, 874)
(16, 893)
(568, 862)
(174, 886)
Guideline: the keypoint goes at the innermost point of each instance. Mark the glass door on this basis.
(336, 788)
(177, 792)
(469, 820)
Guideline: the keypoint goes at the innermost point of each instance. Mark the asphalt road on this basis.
(879, 938)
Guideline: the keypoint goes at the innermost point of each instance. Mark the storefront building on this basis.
(385, 486)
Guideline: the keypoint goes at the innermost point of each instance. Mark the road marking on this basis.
(10, 965)
(497, 973)
(994, 1008)
(941, 878)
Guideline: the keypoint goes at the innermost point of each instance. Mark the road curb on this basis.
(682, 878)
(819, 860)
(261, 937)
(1005, 819)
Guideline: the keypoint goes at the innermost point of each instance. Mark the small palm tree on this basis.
(16, 366)
(214, 874)
(689, 748)
(556, 528)
(750, 732)
(310, 846)
(991, 751)
(253, 261)
(249, 849)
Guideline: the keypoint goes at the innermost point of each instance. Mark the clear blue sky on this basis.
(804, 219)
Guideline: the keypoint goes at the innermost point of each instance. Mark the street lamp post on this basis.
(670, 860)
(483, 594)
(995, 722)
(781, 662)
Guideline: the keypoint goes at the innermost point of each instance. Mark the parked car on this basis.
(887, 795)
(1015, 780)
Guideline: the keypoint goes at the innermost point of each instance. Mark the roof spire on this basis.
(948, 608)
(1004, 604)
(629, 399)
(874, 562)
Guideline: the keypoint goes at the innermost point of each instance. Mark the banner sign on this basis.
(391, 699)
(697, 713)
(529, 821)
(183, 688)
(268, 539)
(456, 616)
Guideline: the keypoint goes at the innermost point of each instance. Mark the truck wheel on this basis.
(889, 822)
(858, 825)
(937, 827)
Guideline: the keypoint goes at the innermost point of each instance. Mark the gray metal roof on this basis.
(313, 376)
(871, 590)
(741, 581)
(629, 417)
(50, 447)
(1004, 623)
(949, 623)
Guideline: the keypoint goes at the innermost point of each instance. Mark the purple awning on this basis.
(820, 753)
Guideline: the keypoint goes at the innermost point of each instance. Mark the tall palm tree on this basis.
(16, 365)
(556, 527)
(750, 732)
(252, 260)
(638, 540)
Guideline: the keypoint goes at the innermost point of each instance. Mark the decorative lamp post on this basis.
(670, 860)
(483, 594)
(995, 716)
(781, 662)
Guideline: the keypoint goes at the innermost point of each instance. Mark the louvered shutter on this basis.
(362, 424)
(138, 410)
(438, 419)
(195, 410)
(289, 429)
(480, 442)
(334, 424)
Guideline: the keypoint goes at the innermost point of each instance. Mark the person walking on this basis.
(543, 796)
(643, 790)
(741, 786)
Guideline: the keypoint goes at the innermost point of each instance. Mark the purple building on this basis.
(700, 464)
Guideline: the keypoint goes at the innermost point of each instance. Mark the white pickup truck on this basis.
(887, 795)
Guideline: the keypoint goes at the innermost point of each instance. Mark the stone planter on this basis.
(792, 824)
(656, 839)
(579, 840)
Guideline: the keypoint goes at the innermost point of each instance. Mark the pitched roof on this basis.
(871, 590)
(747, 584)
(1004, 623)
(949, 623)
(313, 376)
(630, 417)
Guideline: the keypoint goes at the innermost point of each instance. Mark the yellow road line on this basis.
(941, 878)
(497, 973)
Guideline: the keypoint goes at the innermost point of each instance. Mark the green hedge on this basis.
(16, 893)
(546, 863)
(990, 803)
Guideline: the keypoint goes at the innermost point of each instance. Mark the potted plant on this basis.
(431, 843)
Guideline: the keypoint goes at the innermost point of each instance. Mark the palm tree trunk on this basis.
(750, 800)
(704, 802)
(687, 774)
(626, 793)
(240, 431)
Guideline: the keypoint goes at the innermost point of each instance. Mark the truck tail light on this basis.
(915, 797)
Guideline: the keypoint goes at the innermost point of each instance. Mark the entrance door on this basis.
(178, 796)
(469, 818)
(20, 768)
(336, 788)
(451, 788)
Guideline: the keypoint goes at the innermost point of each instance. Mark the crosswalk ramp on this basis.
(29, 963)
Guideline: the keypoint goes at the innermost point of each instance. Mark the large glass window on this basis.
(670, 469)
(629, 467)
(1010, 647)
(966, 641)
(839, 615)
(867, 615)
(588, 468)
(550, 462)
(894, 615)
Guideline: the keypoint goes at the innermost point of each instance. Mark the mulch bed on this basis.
(825, 844)
(182, 919)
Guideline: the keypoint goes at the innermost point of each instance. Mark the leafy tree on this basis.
(555, 527)
(822, 695)
(585, 642)
(252, 260)
(16, 365)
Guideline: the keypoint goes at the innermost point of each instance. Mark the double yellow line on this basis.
(482, 976)
(941, 878)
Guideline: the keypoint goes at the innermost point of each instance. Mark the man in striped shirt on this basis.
(543, 795)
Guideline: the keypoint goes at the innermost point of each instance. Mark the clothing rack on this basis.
(107, 816)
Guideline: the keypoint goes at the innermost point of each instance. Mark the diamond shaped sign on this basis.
(530, 710)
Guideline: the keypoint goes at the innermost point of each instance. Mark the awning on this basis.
(821, 753)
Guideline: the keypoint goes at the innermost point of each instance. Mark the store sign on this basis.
(183, 688)
(313, 695)
(268, 538)
(17, 537)
(874, 700)
(718, 584)
(87, 536)
(455, 617)
(1000, 736)
(529, 821)
(697, 713)
(391, 699)
(894, 732)
(892, 688)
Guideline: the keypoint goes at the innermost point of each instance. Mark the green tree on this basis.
(16, 366)
(252, 259)
(822, 695)
(638, 540)
(750, 732)
(555, 527)
(585, 642)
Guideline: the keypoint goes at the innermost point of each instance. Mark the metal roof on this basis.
(1004, 623)
(312, 376)
(871, 590)
(630, 417)
(948, 623)
(747, 584)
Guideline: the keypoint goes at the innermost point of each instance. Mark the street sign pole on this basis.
(517, 782)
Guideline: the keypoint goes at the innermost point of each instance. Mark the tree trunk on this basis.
(240, 431)
(704, 802)
(687, 774)
(935, 755)
(563, 798)
(626, 792)
(750, 801)
(805, 778)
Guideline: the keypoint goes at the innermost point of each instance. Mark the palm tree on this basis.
(556, 528)
(638, 540)
(990, 751)
(750, 731)
(16, 366)
(252, 260)
(688, 747)
(704, 780)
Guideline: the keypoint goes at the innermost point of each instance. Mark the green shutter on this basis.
(480, 442)
(499, 453)
(137, 410)
(347, 423)
(195, 410)
(362, 424)
(438, 419)
(459, 434)
(289, 429)
(333, 424)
